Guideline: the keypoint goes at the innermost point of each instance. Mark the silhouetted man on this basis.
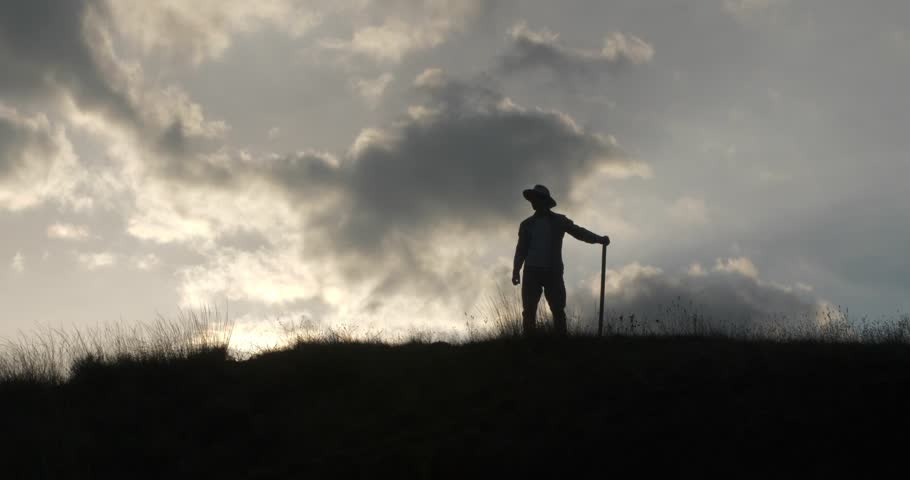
(540, 251)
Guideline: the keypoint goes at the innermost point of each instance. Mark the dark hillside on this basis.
(434, 410)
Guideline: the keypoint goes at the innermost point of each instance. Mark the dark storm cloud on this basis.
(19, 141)
(47, 47)
(529, 49)
(462, 159)
(454, 167)
(184, 158)
(62, 49)
(306, 174)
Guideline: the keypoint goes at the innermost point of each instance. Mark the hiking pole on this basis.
(603, 278)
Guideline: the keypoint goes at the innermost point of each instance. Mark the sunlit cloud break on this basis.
(364, 161)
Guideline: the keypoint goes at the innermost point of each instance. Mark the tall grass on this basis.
(50, 356)
(499, 316)
(304, 330)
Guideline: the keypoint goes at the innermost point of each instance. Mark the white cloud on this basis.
(741, 265)
(730, 298)
(521, 31)
(37, 163)
(269, 277)
(407, 27)
(531, 49)
(198, 214)
(18, 263)
(431, 78)
(281, 278)
(372, 89)
(201, 30)
(389, 42)
(65, 231)
(696, 270)
(165, 107)
(616, 281)
(145, 262)
(619, 46)
(96, 261)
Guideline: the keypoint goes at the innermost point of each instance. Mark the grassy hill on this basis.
(575, 407)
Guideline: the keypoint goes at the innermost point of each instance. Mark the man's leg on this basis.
(531, 288)
(555, 292)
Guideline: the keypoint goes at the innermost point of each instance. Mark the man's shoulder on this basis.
(550, 215)
(561, 218)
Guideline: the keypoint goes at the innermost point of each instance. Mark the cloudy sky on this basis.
(361, 161)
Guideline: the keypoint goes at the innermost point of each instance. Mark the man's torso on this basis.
(545, 235)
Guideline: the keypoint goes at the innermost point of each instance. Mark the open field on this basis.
(430, 410)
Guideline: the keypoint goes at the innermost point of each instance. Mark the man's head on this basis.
(540, 198)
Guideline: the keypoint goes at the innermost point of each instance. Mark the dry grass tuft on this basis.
(50, 356)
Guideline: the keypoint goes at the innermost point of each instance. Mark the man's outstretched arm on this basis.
(584, 234)
(521, 253)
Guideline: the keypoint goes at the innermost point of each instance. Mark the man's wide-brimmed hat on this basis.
(541, 193)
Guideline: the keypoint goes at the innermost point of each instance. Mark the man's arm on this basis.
(583, 234)
(521, 253)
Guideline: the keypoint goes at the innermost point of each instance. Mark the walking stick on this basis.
(603, 278)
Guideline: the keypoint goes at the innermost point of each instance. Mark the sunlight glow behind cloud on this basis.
(363, 160)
